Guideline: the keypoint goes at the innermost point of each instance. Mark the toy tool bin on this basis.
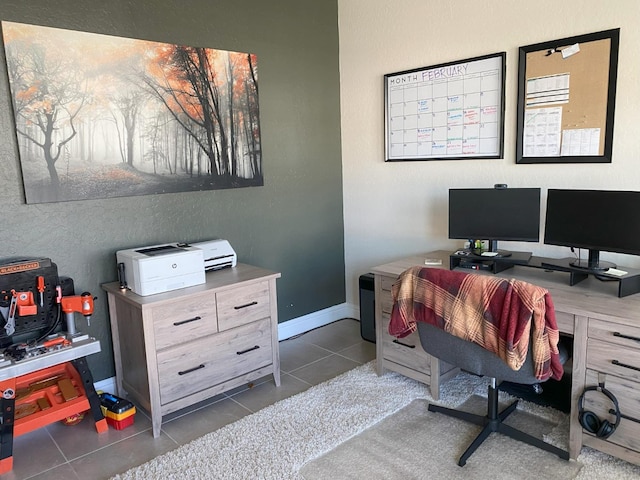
(118, 412)
(48, 395)
(120, 424)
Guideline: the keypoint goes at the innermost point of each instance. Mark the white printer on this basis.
(217, 254)
(161, 268)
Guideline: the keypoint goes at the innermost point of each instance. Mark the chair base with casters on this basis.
(475, 359)
(493, 422)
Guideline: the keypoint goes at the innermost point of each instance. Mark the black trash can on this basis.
(367, 308)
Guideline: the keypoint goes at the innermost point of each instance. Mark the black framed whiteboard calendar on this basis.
(450, 111)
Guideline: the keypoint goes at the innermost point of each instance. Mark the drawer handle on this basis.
(182, 322)
(628, 337)
(404, 344)
(248, 350)
(184, 372)
(620, 364)
(245, 305)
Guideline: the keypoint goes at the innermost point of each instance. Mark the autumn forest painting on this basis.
(99, 116)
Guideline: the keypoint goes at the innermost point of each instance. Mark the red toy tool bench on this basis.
(44, 376)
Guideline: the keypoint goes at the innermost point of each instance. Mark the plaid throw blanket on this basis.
(493, 312)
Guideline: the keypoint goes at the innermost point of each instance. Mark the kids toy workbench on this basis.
(44, 376)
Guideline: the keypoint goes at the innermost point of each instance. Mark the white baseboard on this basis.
(107, 385)
(288, 329)
(303, 324)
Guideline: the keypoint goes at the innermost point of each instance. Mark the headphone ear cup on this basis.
(590, 422)
(605, 430)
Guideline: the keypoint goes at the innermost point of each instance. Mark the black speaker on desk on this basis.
(367, 308)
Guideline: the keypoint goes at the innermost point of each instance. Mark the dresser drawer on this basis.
(623, 335)
(206, 362)
(183, 321)
(618, 360)
(243, 305)
(405, 351)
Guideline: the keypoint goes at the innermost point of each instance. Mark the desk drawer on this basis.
(203, 363)
(406, 351)
(386, 302)
(243, 305)
(626, 392)
(565, 322)
(387, 282)
(608, 358)
(184, 321)
(623, 335)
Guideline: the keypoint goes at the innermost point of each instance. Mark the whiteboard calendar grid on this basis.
(449, 111)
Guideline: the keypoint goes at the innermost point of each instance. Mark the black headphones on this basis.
(590, 421)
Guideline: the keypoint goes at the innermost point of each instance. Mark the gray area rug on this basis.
(405, 444)
(277, 442)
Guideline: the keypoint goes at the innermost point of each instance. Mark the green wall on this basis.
(293, 224)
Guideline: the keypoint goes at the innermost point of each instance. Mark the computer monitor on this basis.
(597, 220)
(493, 214)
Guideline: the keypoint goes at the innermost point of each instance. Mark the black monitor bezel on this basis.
(591, 246)
(491, 237)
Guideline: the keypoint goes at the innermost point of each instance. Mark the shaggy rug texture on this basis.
(277, 441)
(416, 443)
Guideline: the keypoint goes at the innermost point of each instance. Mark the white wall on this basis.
(399, 208)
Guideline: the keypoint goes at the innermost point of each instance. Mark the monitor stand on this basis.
(492, 252)
(502, 256)
(497, 253)
(593, 264)
(600, 267)
(494, 264)
(628, 284)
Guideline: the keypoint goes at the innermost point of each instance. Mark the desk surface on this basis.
(591, 296)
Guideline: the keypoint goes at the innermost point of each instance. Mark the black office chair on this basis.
(475, 359)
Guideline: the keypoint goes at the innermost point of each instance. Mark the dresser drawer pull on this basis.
(248, 350)
(239, 307)
(616, 362)
(182, 322)
(404, 344)
(628, 337)
(184, 372)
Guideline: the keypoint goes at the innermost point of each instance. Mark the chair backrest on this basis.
(502, 315)
(472, 357)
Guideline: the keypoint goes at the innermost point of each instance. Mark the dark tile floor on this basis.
(59, 452)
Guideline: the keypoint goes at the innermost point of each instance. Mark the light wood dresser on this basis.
(174, 349)
(606, 348)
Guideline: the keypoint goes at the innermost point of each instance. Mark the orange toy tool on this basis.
(21, 302)
(77, 303)
(41, 289)
(25, 303)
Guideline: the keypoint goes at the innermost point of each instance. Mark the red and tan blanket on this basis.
(493, 312)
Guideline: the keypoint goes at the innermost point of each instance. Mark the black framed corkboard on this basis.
(566, 99)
